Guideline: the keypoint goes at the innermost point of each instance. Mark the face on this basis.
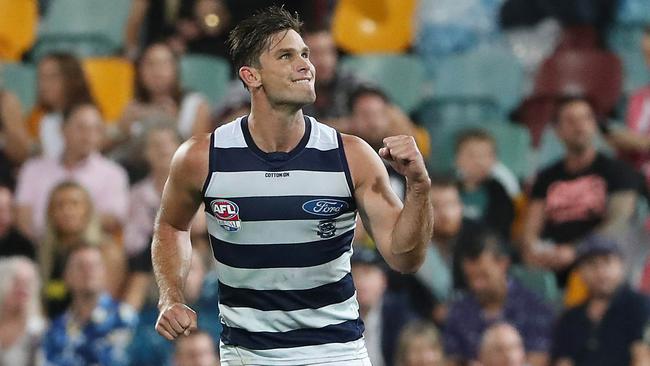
(160, 147)
(158, 70)
(602, 274)
(196, 351)
(323, 55)
(69, 211)
(503, 347)
(645, 46)
(50, 84)
(22, 287)
(85, 271)
(370, 282)
(576, 126)
(420, 352)
(194, 280)
(285, 74)
(370, 119)
(83, 131)
(6, 209)
(447, 210)
(475, 159)
(486, 276)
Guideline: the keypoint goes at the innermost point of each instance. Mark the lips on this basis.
(302, 81)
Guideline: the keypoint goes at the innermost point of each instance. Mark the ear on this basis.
(250, 76)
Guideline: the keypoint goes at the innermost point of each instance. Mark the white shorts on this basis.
(364, 362)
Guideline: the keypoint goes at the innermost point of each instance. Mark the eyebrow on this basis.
(283, 50)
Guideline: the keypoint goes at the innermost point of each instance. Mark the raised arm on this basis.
(401, 233)
(171, 249)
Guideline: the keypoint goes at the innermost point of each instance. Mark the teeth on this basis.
(302, 81)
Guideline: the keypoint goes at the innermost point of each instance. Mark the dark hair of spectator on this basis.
(75, 85)
(565, 100)
(362, 91)
(473, 134)
(73, 108)
(443, 181)
(141, 93)
(251, 36)
(473, 243)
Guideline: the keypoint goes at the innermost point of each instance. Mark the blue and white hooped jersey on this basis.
(281, 228)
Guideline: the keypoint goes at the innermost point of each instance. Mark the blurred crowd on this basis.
(545, 265)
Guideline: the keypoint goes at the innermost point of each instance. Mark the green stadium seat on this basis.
(207, 75)
(538, 281)
(21, 80)
(460, 109)
(400, 76)
(83, 27)
(625, 41)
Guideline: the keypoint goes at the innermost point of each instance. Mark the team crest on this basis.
(227, 214)
(326, 228)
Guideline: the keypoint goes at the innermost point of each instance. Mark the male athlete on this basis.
(281, 193)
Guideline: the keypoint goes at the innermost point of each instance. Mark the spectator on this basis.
(13, 133)
(81, 162)
(201, 293)
(609, 328)
(493, 297)
(419, 344)
(203, 28)
(70, 221)
(196, 349)
(158, 93)
(96, 328)
(583, 192)
(384, 314)
(21, 320)
(501, 345)
(484, 198)
(12, 242)
(61, 85)
(150, 21)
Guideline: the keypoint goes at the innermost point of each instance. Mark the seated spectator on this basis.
(203, 28)
(501, 345)
(158, 93)
(196, 349)
(150, 21)
(384, 314)
(61, 84)
(419, 344)
(12, 242)
(484, 198)
(201, 293)
(70, 221)
(583, 192)
(21, 321)
(493, 297)
(609, 328)
(95, 329)
(16, 142)
(81, 162)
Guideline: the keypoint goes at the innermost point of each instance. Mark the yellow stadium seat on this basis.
(111, 83)
(18, 23)
(576, 291)
(364, 26)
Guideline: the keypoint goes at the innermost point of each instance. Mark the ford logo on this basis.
(325, 207)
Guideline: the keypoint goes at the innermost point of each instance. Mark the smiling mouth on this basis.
(302, 81)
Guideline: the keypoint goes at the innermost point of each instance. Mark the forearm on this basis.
(171, 253)
(413, 228)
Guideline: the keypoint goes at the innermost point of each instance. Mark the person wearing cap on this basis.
(608, 329)
(383, 313)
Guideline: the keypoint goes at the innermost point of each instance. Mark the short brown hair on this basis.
(472, 134)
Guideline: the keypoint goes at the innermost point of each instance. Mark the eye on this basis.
(285, 56)
(305, 54)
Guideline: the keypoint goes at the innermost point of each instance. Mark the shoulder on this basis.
(356, 147)
(190, 162)
(35, 165)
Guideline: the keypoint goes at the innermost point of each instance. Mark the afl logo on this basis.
(325, 207)
(227, 214)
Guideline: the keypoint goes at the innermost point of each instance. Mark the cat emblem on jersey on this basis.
(326, 228)
(227, 214)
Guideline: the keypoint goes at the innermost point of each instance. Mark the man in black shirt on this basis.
(608, 329)
(583, 192)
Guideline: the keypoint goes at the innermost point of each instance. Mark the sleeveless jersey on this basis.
(281, 228)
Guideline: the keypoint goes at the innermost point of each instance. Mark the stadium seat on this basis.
(485, 72)
(373, 26)
(625, 41)
(435, 110)
(400, 76)
(83, 27)
(18, 23)
(207, 75)
(578, 36)
(20, 79)
(633, 12)
(539, 281)
(535, 113)
(595, 73)
(111, 83)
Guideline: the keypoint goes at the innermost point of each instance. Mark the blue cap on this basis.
(596, 245)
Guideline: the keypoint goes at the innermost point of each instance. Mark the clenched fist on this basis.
(404, 156)
(174, 320)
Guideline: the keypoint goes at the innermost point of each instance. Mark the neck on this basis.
(83, 305)
(70, 159)
(493, 305)
(68, 239)
(275, 128)
(577, 160)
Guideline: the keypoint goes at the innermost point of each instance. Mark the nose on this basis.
(304, 65)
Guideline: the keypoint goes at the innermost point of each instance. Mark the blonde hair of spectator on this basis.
(8, 268)
(51, 246)
(415, 330)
